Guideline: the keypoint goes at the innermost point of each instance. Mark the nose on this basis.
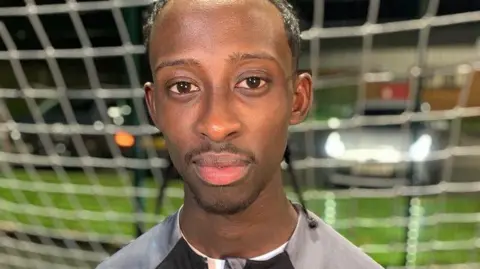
(218, 122)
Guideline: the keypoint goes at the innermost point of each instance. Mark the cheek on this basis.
(268, 129)
(175, 126)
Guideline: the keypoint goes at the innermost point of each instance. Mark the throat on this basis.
(238, 236)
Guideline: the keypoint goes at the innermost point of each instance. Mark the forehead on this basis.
(219, 28)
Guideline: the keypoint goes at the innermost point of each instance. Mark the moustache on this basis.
(208, 147)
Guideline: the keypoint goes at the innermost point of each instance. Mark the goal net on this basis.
(81, 163)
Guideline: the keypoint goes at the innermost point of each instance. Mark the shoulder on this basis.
(325, 247)
(148, 250)
(343, 253)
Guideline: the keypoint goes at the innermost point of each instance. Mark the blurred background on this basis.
(389, 155)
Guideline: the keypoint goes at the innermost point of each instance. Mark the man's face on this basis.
(223, 95)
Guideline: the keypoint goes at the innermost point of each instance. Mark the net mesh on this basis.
(71, 193)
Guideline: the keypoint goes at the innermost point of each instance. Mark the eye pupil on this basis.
(184, 86)
(253, 82)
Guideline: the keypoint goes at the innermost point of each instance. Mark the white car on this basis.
(383, 156)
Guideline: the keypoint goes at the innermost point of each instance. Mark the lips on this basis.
(221, 169)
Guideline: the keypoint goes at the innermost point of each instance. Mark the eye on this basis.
(183, 87)
(251, 83)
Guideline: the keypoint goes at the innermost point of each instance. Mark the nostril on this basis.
(220, 132)
(219, 121)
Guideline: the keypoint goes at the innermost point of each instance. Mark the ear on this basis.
(150, 100)
(302, 98)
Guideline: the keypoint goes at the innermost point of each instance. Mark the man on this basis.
(225, 90)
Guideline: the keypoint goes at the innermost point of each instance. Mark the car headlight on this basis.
(420, 150)
(334, 146)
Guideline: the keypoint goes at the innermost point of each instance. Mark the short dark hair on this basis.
(290, 21)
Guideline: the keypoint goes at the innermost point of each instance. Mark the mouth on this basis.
(221, 169)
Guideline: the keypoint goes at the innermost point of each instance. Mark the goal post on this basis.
(81, 164)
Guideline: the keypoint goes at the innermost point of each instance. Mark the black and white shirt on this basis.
(164, 247)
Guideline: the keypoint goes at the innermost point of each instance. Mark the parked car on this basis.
(86, 113)
(382, 156)
(62, 143)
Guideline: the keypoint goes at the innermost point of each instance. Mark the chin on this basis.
(229, 207)
(225, 200)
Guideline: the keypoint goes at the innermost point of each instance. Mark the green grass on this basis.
(345, 209)
(89, 202)
(471, 126)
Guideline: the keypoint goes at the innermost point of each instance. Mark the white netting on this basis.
(79, 209)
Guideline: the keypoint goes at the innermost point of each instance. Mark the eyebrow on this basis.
(178, 62)
(233, 58)
(237, 57)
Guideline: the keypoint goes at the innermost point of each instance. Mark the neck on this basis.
(271, 219)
